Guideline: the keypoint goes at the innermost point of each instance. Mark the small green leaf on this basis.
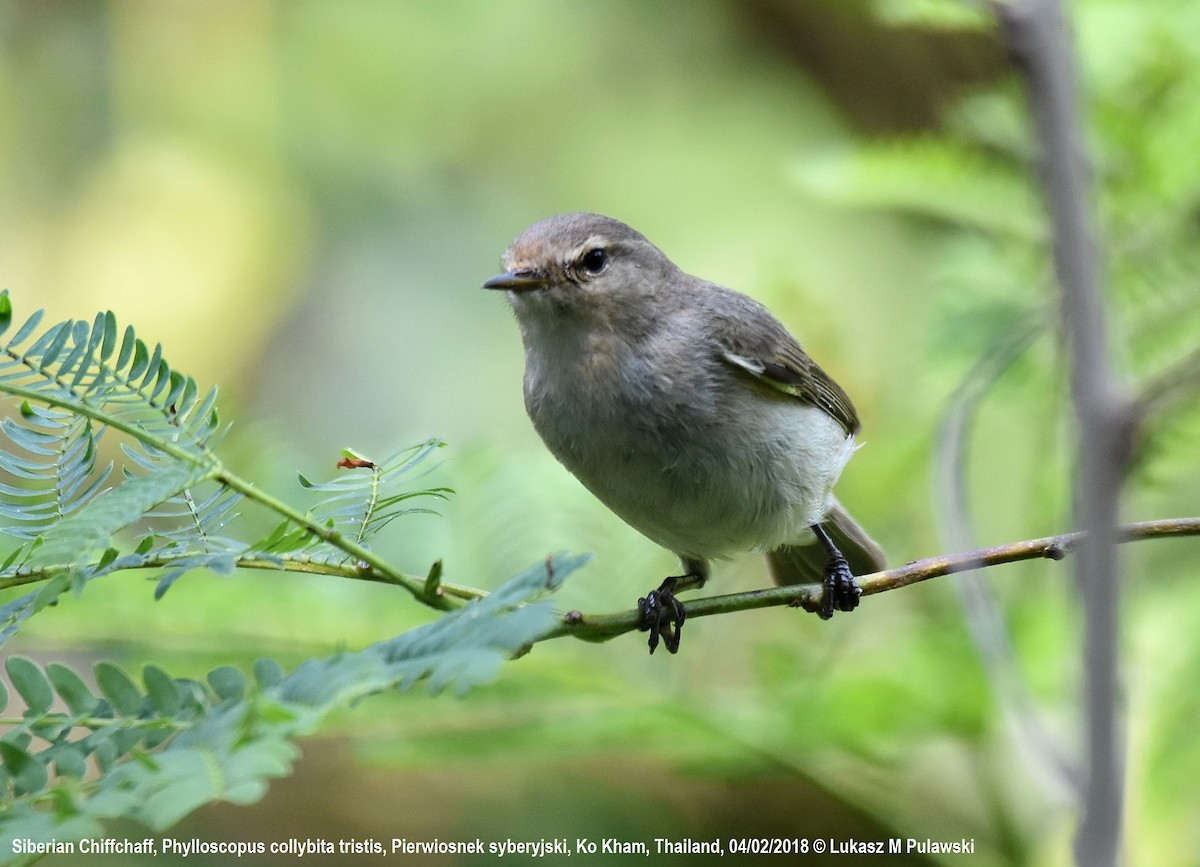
(267, 672)
(185, 779)
(104, 752)
(128, 341)
(227, 682)
(153, 369)
(162, 690)
(119, 689)
(27, 329)
(106, 559)
(110, 336)
(5, 311)
(3, 695)
(71, 689)
(190, 392)
(162, 378)
(433, 581)
(83, 343)
(31, 683)
(28, 774)
(153, 738)
(126, 739)
(76, 537)
(141, 356)
(285, 537)
(52, 589)
(55, 340)
(222, 564)
(12, 558)
(178, 384)
(69, 762)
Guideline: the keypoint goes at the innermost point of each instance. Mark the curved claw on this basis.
(663, 616)
(841, 591)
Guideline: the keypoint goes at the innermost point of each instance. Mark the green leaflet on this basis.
(77, 537)
(177, 744)
(74, 383)
(153, 751)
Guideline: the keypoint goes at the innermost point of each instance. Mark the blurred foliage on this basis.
(156, 755)
(298, 199)
(77, 382)
(975, 182)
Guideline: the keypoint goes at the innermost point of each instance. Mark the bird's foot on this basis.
(663, 614)
(841, 591)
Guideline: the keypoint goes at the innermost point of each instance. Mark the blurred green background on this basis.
(300, 200)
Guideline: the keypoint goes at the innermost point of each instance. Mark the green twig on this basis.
(369, 567)
(452, 595)
(601, 627)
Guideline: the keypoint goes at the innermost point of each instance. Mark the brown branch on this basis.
(601, 627)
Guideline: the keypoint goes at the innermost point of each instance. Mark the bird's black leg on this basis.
(841, 591)
(663, 614)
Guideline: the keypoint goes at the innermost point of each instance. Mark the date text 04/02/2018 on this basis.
(832, 846)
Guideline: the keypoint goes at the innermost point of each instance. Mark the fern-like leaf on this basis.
(363, 499)
(165, 746)
(55, 461)
(85, 370)
(75, 382)
(368, 496)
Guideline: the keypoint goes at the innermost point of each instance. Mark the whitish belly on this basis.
(751, 478)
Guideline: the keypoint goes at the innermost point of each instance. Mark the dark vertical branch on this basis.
(1037, 35)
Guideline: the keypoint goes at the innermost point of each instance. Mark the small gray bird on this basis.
(686, 408)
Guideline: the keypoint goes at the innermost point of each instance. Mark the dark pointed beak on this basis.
(517, 281)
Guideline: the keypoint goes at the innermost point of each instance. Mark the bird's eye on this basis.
(594, 260)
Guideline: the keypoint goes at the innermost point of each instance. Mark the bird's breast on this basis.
(700, 476)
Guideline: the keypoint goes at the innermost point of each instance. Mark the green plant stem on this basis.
(371, 567)
(101, 722)
(455, 593)
(203, 458)
(602, 627)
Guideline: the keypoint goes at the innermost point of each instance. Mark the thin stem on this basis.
(370, 507)
(372, 566)
(455, 592)
(200, 458)
(601, 627)
(96, 722)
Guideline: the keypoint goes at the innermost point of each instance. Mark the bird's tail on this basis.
(805, 564)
